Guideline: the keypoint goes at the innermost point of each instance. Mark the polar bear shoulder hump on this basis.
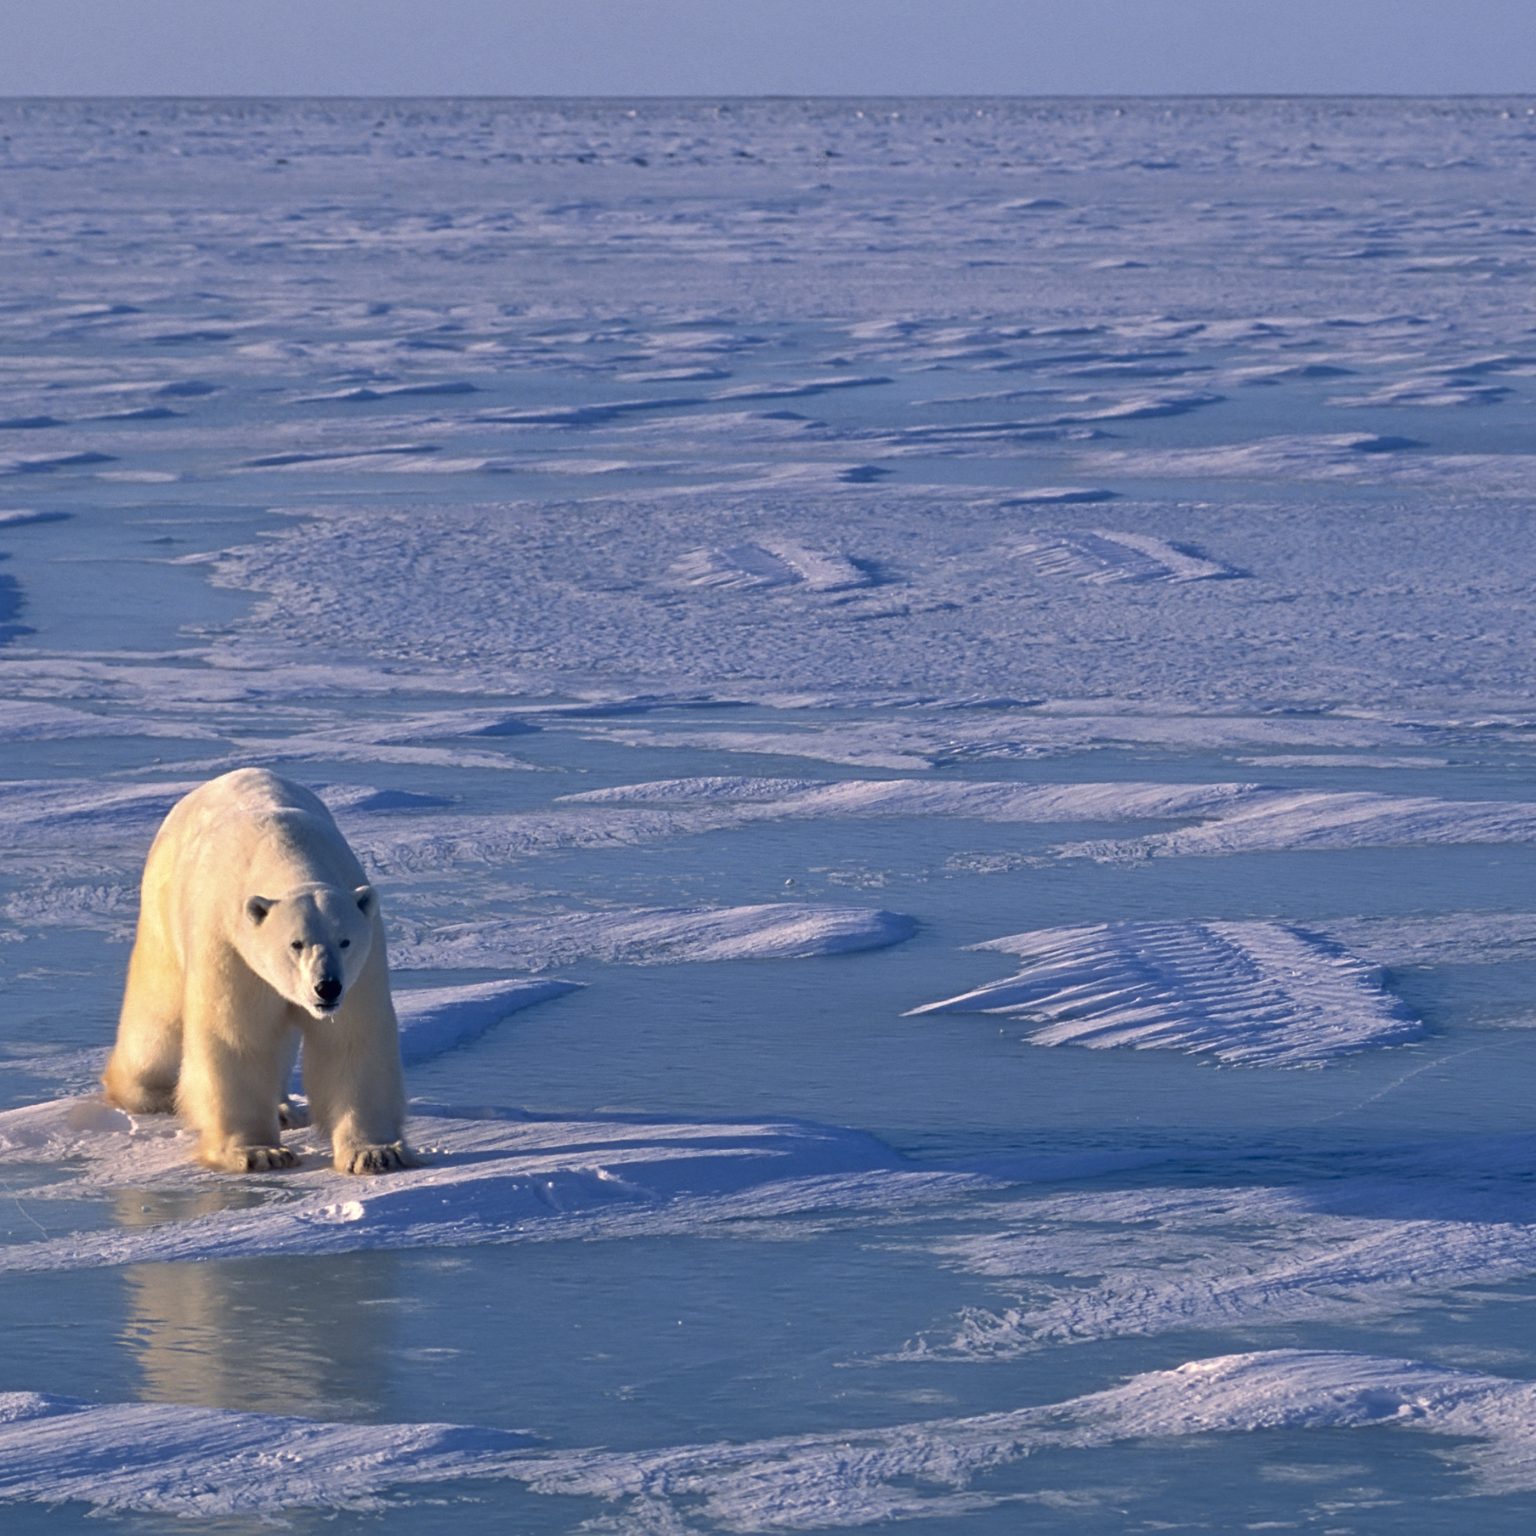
(262, 822)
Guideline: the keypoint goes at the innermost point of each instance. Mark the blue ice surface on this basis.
(312, 288)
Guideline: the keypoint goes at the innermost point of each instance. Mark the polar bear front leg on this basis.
(231, 1083)
(356, 1090)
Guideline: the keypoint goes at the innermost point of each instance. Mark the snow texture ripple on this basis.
(1250, 993)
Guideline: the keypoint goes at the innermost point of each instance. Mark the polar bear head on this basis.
(311, 944)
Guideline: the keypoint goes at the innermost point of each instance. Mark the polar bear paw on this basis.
(265, 1159)
(237, 1157)
(386, 1157)
(291, 1115)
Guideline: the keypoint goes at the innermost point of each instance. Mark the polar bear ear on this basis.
(366, 899)
(257, 908)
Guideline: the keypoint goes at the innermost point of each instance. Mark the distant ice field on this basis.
(942, 695)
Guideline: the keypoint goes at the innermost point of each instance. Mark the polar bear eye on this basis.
(345, 944)
(297, 944)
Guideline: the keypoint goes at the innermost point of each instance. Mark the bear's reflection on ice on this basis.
(281, 1335)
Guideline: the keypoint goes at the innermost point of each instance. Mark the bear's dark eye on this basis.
(346, 944)
(297, 944)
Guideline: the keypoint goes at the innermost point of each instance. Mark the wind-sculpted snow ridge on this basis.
(1341, 760)
(766, 798)
(485, 722)
(1270, 820)
(47, 463)
(1062, 494)
(1416, 1227)
(343, 747)
(937, 1468)
(406, 740)
(630, 815)
(1084, 412)
(769, 563)
(201, 1462)
(604, 412)
(1325, 456)
(1426, 391)
(393, 457)
(434, 1020)
(23, 517)
(772, 931)
(1100, 557)
(489, 1176)
(1013, 732)
(36, 720)
(1254, 993)
(364, 393)
(1225, 818)
(398, 846)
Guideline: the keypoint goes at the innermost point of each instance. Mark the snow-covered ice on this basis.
(115, 1456)
(487, 1178)
(797, 604)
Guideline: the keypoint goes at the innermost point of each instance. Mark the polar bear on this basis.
(257, 927)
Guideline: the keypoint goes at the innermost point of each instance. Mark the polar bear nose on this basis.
(328, 989)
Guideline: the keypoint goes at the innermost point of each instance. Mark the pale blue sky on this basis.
(749, 47)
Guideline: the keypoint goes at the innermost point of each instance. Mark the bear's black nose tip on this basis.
(328, 989)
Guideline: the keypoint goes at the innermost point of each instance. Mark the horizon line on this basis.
(757, 96)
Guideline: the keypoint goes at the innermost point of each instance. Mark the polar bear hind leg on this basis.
(145, 1063)
(291, 1116)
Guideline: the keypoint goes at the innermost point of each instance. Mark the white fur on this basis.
(251, 900)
